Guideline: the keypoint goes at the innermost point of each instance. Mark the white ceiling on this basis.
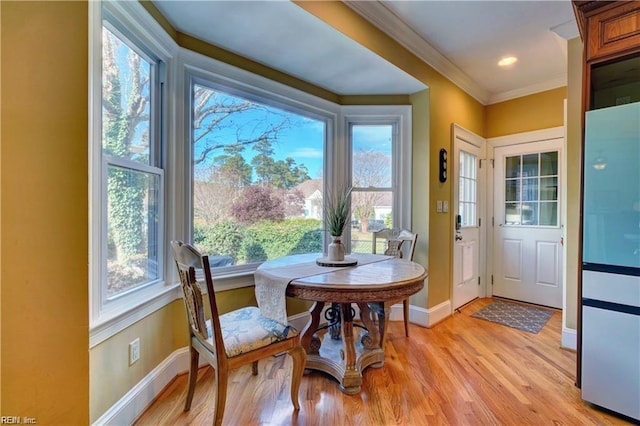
(461, 39)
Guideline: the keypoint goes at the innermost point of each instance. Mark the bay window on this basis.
(187, 147)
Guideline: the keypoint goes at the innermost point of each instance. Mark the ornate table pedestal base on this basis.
(347, 357)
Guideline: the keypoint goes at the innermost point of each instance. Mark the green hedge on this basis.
(262, 241)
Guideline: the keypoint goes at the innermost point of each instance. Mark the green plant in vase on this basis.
(337, 214)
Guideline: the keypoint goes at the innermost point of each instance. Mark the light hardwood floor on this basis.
(463, 371)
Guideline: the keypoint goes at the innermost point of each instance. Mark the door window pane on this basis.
(530, 165)
(512, 213)
(531, 181)
(468, 189)
(530, 189)
(549, 213)
(549, 188)
(512, 190)
(529, 214)
(549, 163)
(512, 167)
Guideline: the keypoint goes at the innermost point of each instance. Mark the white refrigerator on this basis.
(611, 260)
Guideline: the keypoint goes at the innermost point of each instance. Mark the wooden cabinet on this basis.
(614, 30)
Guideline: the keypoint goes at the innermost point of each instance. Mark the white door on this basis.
(467, 205)
(528, 253)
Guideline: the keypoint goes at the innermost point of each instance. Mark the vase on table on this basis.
(335, 251)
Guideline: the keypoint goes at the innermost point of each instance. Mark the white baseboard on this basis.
(569, 338)
(134, 402)
(438, 313)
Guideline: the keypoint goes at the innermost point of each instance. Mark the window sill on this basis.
(111, 326)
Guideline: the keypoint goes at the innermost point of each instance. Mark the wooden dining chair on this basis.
(230, 340)
(399, 244)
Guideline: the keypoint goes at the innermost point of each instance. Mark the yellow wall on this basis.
(534, 112)
(44, 218)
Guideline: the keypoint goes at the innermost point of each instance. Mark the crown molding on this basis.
(385, 20)
(376, 13)
(528, 90)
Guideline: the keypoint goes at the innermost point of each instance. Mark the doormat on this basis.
(522, 317)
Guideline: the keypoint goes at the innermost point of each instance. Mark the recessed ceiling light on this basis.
(507, 60)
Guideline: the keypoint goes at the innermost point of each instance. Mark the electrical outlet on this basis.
(134, 351)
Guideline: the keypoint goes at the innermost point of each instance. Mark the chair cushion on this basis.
(394, 248)
(246, 329)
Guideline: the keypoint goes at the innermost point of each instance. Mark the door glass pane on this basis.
(530, 165)
(549, 213)
(529, 213)
(524, 191)
(512, 213)
(467, 190)
(530, 189)
(512, 167)
(549, 163)
(549, 188)
(512, 190)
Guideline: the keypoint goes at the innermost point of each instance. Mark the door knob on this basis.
(458, 237)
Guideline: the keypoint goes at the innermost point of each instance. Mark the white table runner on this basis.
(272, 278)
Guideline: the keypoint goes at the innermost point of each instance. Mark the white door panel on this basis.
(467, 205)
(528, 233)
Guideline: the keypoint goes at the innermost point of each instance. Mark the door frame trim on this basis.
(522, 138)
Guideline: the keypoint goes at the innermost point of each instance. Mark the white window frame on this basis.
(105, 314)
(400, 117)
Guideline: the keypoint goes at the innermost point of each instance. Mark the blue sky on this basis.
(302, 139)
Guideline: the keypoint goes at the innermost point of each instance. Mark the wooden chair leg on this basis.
(193, 378)
(221, 395)
(299, 357)
(405, 306)
(254, 368)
